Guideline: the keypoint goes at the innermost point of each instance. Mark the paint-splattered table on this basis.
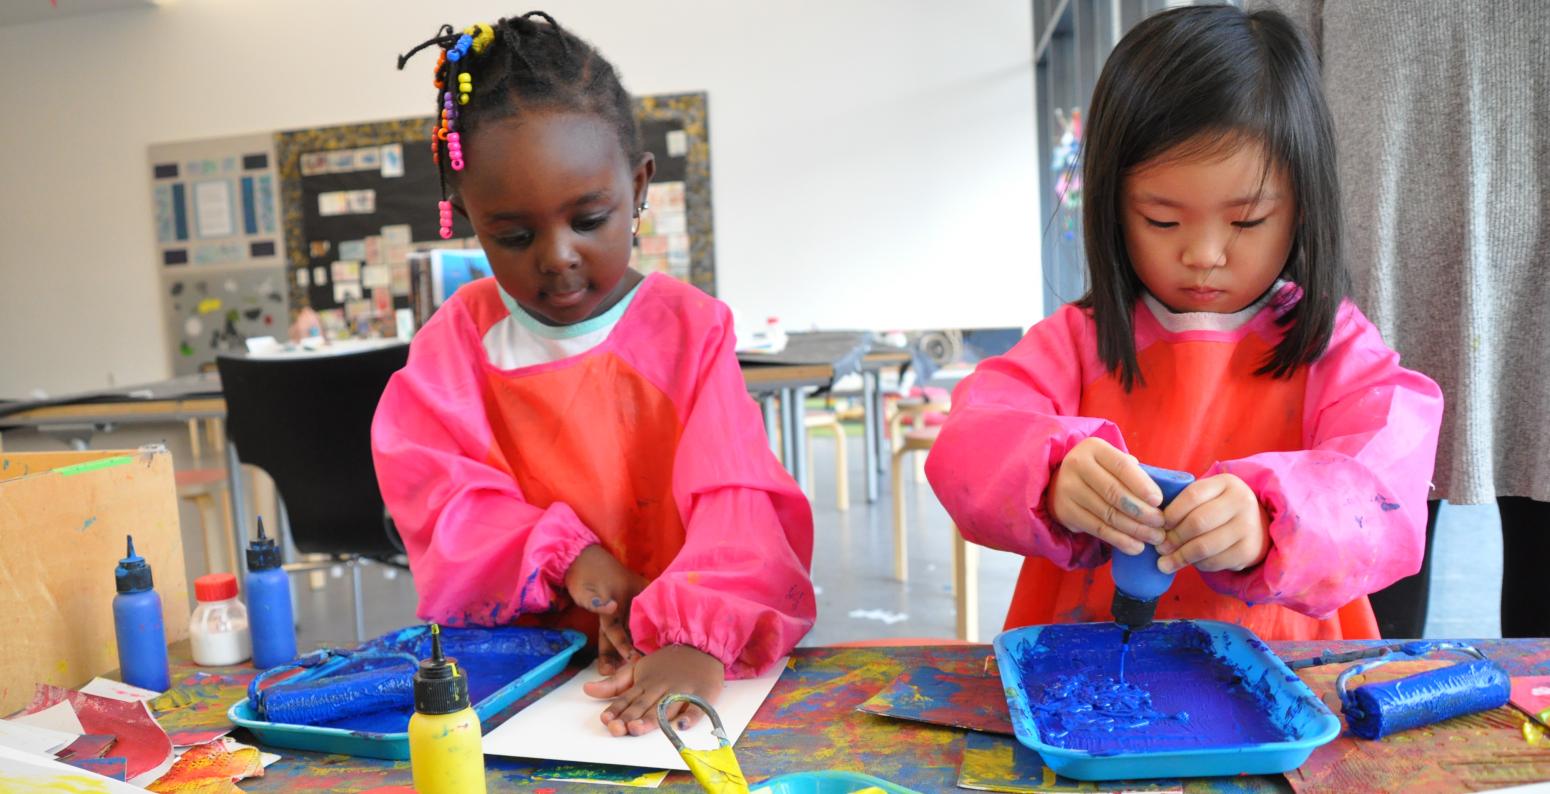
(809, 722)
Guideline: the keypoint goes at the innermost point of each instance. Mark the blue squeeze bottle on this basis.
(1137, 582)
(270, 617)
(142, 639)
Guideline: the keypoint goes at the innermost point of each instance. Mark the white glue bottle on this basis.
(218, 630)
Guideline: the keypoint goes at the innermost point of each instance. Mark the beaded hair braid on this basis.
(528, 62)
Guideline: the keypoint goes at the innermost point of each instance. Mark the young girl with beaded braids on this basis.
(570, 444)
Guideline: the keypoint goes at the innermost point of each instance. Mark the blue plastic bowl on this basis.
(1311, 726)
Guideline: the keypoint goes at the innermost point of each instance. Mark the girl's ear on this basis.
(645, 168)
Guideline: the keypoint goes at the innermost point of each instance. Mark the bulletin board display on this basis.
(215, 215)
(357, 199)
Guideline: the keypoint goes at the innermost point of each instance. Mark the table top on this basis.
(808, 723)
(198, 397)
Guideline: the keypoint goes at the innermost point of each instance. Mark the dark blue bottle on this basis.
(142, 638)
(270, 619)
(1137, 582)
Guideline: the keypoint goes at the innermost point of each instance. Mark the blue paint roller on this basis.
(1373, 711)
(1137, 582)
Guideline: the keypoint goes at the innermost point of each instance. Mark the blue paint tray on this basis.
(371, 737)
(1251, 713)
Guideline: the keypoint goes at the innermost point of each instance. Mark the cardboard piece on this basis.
(63, 518)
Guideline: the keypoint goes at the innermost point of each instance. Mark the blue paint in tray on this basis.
(1197, 698)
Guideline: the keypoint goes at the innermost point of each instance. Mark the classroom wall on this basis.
(873, 160)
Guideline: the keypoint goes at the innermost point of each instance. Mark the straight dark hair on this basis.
(1196, 81)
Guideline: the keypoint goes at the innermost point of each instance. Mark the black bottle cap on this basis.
(1132, 613)
(439, 686)
(133, 574)
(263, 552)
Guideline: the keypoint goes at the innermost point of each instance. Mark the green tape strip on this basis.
(93, 465)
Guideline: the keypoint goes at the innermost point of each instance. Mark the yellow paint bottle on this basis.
(445, 751)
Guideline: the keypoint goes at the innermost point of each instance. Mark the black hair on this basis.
(527, 63)
(1211, 78)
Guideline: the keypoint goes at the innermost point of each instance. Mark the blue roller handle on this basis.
(1137, 574)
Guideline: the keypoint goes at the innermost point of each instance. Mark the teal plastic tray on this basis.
(826, 783)
(394, 746)
(1310, 722)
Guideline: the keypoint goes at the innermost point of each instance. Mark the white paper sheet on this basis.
(40, 773)
(34, 739)
(58, 717)
(564, 725)
(108, 688)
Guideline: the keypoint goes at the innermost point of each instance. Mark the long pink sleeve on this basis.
(479, 552)
(1348, 512)
(1012, 423)
(739, 589)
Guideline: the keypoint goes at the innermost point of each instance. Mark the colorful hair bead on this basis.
(446, 218)
(465, 86)
(455, 150)
(484, 36)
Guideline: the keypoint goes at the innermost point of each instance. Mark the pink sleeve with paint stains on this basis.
(1348, 513)
(739, 589)
(1012, 423)
(478, 550)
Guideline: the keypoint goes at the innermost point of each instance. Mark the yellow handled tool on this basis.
(717, 769)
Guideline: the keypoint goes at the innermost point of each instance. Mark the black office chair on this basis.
(306, 421)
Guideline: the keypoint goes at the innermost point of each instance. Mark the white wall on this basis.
(873, 160)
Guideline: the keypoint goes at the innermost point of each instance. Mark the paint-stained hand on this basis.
(604, 587)
(1216, 524)
(1103, 492)
(637, 688)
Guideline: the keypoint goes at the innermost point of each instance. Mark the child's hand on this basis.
(637, 688)
(1103, 492)
(1216, 524)
(606, 588)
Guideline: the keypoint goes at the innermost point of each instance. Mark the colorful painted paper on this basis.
(1001, 763)
(210, 769)
(141, 741)
(1531, 693)
(1475, 752)
(975, 702)
(627, 776)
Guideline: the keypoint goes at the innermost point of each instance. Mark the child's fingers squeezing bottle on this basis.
(601, 585)
(1216, 524)
(1101, 491)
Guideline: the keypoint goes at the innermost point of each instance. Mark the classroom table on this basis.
(879, 447)
(809, 722)
(75, 419)
(840, 351)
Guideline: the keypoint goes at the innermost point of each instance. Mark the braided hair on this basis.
(519, 64)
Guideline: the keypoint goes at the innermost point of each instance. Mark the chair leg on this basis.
(214, 530)
(966, 585)
(360, 603)
(920, 468)
(841, 469)
(900, 550)
(808, 488)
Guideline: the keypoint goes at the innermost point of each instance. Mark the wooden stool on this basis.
(915, 410)
(965, 555)
(829, 421)
(206, 489)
